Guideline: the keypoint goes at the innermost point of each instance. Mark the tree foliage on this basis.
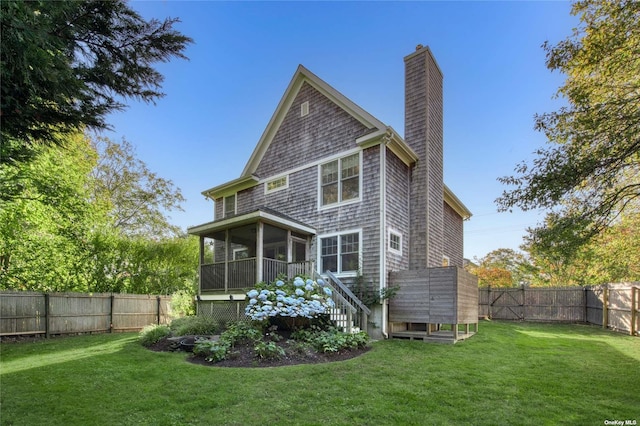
(612, 256)
(67, 64)
(503, 268)
(590, 172)
(56, 235)
(137, 198)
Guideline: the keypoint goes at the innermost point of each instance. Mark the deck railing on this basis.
(242, 274)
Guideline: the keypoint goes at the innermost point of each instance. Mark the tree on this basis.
(136, 198)
(590, 173)
(612, 256)
(46, 229)
(57, 235)
(67, 64)
(503, 268)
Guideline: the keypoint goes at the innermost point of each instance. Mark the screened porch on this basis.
(240, 251)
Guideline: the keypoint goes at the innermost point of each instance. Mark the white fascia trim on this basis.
(231, 187)
(301, 76)
(249, 218)
(455, 203)
(390, 138)
(225, 297)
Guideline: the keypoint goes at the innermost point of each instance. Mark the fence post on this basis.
(112, 299)
(585, 300)
(489, 302)
(634, 310)
(605, 306)
(158, 307)
(524, 308)
(46, 315)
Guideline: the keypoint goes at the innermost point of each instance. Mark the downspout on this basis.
(383, 233)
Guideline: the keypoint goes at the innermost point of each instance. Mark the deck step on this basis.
(434, 336)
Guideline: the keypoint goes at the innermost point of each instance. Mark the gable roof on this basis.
(301, 76)
(379, 133)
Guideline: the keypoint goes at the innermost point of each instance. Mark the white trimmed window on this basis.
(229, 205)
(446, 261)
(395, 242)
(340, 253)
(340, 180)
(276, 184)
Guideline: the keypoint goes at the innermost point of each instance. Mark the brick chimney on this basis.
(423, 132)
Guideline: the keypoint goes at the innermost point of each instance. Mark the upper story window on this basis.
(340, 253)
(229, 205)
(395, 242)
(276, 184)
(340, 180)
(446, 261)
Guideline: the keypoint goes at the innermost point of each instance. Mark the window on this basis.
(445, 261)
(340, 253)
(340, 180)
(276, 184)
(395, 242)
(304, 109)
(229, 205)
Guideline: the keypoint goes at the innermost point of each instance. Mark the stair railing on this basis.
(350, 313)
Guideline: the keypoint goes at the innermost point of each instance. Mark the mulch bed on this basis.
(244, 356)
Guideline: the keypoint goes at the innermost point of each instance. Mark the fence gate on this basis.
(506, 303)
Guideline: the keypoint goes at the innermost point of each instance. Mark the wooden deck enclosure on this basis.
(435, 304)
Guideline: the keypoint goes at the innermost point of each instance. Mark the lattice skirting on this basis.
(222, 312)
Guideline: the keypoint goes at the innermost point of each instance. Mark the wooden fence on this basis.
(613, 306)
(28, 313)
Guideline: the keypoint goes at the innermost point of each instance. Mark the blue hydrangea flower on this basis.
(321, 281)
(299, 292)
(253, 301)
(308, 287)
(279, 283)
(298, 282)
(327, 291)
(253, 293)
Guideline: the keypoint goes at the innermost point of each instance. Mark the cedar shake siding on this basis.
(453, 242)
(327, 130)
(423, 133)
(397, 203)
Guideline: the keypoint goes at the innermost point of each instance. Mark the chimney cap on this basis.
(419, 46)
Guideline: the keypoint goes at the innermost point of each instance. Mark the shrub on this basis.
(289, 299)
(153, 333)
(331, 340)
(193, 325)
(183, 303)
(215, 351)
(268, 350)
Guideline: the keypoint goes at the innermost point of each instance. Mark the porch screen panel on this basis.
(329, 254)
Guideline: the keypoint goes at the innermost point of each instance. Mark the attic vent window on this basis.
(304, 109)
(276, 184)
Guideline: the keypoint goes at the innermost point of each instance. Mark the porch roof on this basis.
(262, 214)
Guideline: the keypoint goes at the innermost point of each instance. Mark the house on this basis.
(329, 187)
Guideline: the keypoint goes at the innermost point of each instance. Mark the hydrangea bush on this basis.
(290, 299)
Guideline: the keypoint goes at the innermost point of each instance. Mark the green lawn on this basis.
(508, 374)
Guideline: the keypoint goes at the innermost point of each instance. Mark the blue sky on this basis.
(219, 102)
